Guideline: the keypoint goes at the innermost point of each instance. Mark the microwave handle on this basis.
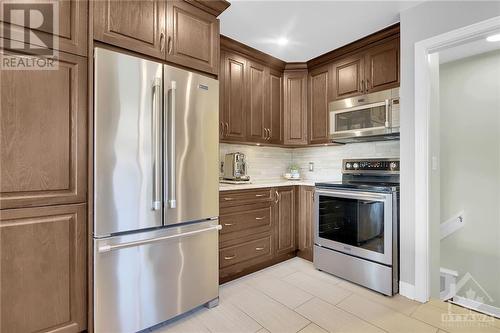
(387, 114)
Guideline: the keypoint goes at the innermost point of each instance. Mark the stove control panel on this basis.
(371, 166)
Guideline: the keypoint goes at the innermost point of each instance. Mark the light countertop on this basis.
(263, 184)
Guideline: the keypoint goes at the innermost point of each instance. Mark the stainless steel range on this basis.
(356, 228)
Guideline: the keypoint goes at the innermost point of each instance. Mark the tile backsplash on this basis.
(269, 163)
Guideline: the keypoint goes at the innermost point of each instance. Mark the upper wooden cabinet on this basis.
(382, 66)
(257, 107)
(274, 116)
(373, 69)
(348, 77)
(295, 107)
(233, 97)
(72, 35)
(182, 32)
(285, 220)
(136, 25)
(320, 94)
(43, 260)
(192, 37)
(44, 135)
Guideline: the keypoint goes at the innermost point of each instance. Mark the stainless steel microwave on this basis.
(371, 117)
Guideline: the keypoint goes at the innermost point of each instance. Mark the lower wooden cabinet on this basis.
(43, 264)
(258, 229)
(285, 220)
(305, 222)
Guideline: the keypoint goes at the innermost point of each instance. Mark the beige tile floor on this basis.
(294, 297)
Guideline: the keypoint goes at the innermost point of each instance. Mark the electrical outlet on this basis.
(311, 166)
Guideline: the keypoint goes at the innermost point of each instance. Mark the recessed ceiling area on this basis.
(297, 31)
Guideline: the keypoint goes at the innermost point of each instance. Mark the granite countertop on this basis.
(263, 184)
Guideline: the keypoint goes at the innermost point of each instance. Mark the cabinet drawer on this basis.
(246, 218)
(258, 248)
(231, 198)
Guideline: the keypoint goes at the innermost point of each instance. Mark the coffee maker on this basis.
(235, 167)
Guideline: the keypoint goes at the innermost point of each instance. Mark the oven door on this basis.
(355, 223)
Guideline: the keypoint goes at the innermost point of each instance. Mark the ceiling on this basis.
(469, 49)
(311, 27)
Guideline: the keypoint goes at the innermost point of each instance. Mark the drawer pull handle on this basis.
(260, 195)
(260, 218)
(228, 224)
(228, 199)
(229, 257)
(259, 248)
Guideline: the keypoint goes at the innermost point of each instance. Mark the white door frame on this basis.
(423, 108)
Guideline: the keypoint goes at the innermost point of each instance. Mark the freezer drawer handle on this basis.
(108, 248)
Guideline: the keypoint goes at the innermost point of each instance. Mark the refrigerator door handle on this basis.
(172, 202)
(109, 248)
(156, 129)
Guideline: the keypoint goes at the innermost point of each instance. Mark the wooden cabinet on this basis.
(72, 35)
(233, 97)
(295, 107)
(136, 25)
(192, 37)
(373, 69)
(44, 135)
(43, 263)
(285, 220)
(382, 66)
(320, 94)
(274, 116)
(348, 76)
(257, 108)
(305, 222)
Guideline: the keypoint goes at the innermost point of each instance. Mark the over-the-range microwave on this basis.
(370, 117)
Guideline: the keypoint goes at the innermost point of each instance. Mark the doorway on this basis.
(458, 167)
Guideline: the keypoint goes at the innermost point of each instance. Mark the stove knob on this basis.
(355, 165)
(348, 165)
(393, 165)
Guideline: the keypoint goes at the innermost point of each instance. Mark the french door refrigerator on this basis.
(155, 192)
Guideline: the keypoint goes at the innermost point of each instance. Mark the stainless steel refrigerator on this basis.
(155, 192)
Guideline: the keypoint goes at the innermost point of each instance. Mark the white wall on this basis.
(470, 168)
(426, 20)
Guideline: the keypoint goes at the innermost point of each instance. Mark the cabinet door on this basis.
(382, 66)
(233, 99)
(43, 263)
(193, 37)
(285, 220)
(136, 25)
(305, 222)
(348, 77)
(274, 115)
(43, 117)
(320, 94)
(72, 35)
(257, 89)
(295, 112)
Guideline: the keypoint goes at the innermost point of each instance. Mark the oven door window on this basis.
(354, 222)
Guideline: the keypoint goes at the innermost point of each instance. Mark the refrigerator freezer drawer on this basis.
(144, 279)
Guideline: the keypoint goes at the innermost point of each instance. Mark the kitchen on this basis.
(173, 172)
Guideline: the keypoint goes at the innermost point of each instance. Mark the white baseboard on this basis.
(407, 290)
(474, 305)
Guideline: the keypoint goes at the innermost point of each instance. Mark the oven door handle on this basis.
(354, 195)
